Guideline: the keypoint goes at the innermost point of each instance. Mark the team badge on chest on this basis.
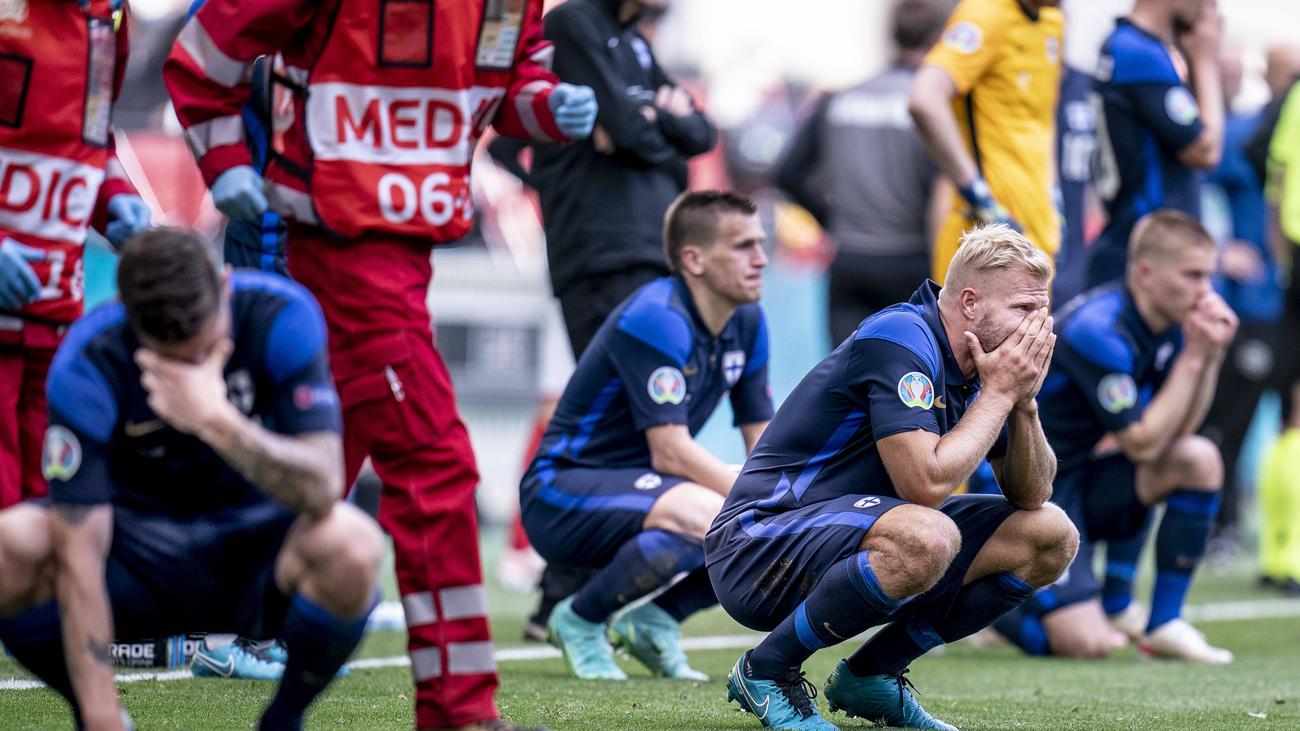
(733, 366)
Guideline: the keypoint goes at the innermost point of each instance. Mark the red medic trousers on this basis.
(26, 349)
(399, 409)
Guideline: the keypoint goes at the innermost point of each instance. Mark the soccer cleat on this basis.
(1179, 640)
(653, 637)
(275, 651)
(783, 704)
(883, 699)
(1131, 621)
(235, 660)
(583, 644)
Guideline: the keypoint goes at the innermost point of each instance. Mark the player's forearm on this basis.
(304, 472)
(86, 622)
(929, 105)
(692, 462)
(1207, 85)
(959, 452)
(1029, 465)
(1163, 419)
(1200, 407)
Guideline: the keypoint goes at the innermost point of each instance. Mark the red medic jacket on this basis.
(391, 97)
(61, 67)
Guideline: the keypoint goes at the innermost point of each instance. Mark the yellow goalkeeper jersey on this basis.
(1005, 61)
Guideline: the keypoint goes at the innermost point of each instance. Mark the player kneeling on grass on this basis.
(619, 482)
(1130, 384)
(843, 517)
(194, 463)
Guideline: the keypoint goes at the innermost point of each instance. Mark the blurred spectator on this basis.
(1248, 282)
(603, 199)
(1154, 133)
(984, 100)
(1282, 71)
(1279, 484)
(860, 168)
(1076, 143)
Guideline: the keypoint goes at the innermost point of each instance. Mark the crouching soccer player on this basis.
(194, 463)
(619, 482)
(1129, 387)
(843, 517)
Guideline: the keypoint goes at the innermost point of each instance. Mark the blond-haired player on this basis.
(844, 516)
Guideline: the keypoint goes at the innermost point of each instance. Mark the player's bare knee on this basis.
(911, 548)
(26, 557)
(363, 550)
(1080, 646)
(688, 509)
(1054, 540)
(1196, 462)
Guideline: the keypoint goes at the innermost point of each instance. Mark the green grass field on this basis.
(972, 688)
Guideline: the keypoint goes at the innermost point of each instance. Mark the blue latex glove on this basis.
(983, 208)
(238, 194)
(128, 215)
(574, 109)
(18, 282)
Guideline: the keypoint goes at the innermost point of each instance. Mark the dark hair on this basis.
(168, 281)
(692, 219)
(918, 23)
(1164, 232)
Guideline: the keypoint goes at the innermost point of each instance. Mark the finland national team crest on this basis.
(1163, 355)
(867, 502)
(61, 457)
(666, 386)
(915, 389)
(1116, 392)
(648, 481)
(733, 366)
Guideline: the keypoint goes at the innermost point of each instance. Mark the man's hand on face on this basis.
(188, 396)
(1016, 368)
(1209, 326)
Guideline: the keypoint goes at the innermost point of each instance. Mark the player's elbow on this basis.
(1140, 451)
(925, 494)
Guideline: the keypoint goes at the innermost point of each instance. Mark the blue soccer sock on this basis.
(319, 643)
(688, 596)
(846, 601)
(35, 639)
(975, 607)
(1024, 628)
(1122, 558)
(1180, 543)
(643, 564)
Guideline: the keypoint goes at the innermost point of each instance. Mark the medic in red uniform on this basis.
(61, 67)
(390, 98)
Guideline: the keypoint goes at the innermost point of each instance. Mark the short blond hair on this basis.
(994, 247)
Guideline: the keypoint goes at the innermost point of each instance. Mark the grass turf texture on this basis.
(995, 688)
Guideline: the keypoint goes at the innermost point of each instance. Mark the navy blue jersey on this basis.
(653, 363)
(1146, 116)
(105, 444)
(896, 374)
(1106, 368)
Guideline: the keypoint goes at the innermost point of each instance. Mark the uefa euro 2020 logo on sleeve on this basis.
(915, 389)
(1117, 392)
(666, 386)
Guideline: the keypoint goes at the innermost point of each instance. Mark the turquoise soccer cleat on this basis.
(583, 644)
(883, 699)
(234, 660)
(277, 652)
(786, 704)
(653, 637)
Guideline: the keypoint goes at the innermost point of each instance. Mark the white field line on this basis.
(1217, 612)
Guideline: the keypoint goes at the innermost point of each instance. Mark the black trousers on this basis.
(1249, 369)
(862, 284)
(587, 303)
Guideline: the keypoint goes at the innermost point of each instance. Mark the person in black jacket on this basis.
(603, 200)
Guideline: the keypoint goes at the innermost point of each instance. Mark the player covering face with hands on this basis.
(843, 517)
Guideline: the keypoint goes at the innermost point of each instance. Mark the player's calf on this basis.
(329, 565)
